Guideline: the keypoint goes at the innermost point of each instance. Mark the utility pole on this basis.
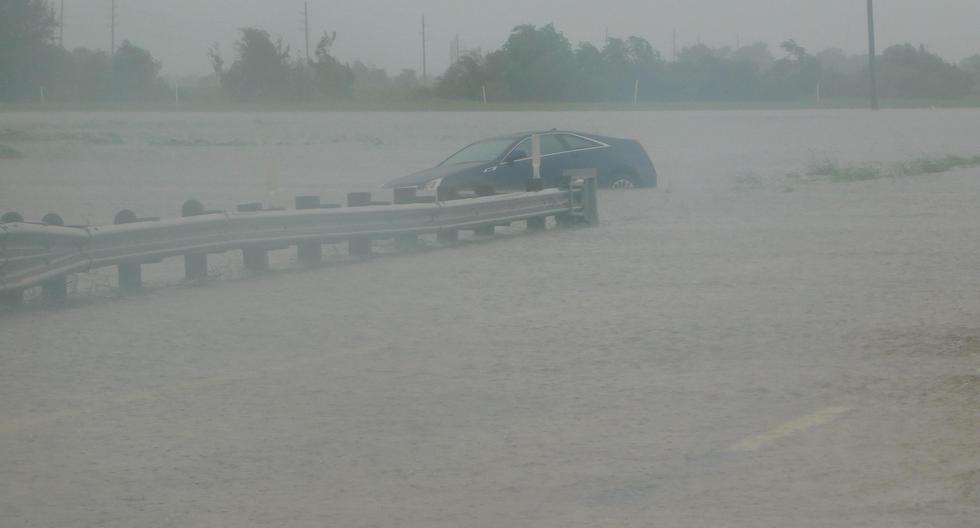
(425, 74)
(454, 48)
(61, 26)
(306, 28)
(112, 30)
(871, 55)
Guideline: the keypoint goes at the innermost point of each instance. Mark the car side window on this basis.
(525, 147)
(550, 144)
(578, 143)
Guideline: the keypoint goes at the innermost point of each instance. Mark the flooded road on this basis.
(736, 348)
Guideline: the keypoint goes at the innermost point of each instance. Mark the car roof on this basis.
(520, 135)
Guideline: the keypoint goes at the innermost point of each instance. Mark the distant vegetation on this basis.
(32, 66)
(539, 64)
(835, 172)
(536, 65)
(7, 152)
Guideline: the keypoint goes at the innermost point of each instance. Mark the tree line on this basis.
(540, 64)
(534, 64)
(33, 66)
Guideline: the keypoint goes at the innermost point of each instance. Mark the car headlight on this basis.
(432, 185)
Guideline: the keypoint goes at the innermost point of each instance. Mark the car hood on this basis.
(420, 178)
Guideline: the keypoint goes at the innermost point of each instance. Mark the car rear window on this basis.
(550, 144)
(577, 142)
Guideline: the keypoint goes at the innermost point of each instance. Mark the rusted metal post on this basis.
(444, 194)
(309, 251)
(406, 195)
(130, 274)
(196, 264)
(359, 246)
(56, 289)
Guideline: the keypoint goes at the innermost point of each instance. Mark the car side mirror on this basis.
(514, 156)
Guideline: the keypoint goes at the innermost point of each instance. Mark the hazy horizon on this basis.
(179, 32)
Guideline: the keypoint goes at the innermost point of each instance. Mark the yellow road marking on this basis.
(795, 426)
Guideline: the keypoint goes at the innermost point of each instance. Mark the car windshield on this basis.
(483, 151)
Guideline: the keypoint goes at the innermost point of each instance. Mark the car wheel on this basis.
(622, 181)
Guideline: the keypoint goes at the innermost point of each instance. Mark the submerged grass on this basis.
(835, 172)
(7, 152)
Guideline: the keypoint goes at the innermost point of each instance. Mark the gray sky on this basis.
(386, 33)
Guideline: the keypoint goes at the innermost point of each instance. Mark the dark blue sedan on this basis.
(504, 163)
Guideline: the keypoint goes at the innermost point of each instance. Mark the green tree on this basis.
(332, 79)
(909, 72)
(26, 42)
(971, 65)
(261, 70)
(465, 79)
(135, 74)
(91, 75)
(795, 75)
(536, 64)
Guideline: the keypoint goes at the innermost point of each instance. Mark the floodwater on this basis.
(736, 348)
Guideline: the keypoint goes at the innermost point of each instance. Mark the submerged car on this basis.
(504, 163)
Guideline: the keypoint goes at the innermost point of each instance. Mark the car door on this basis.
(513, 175)
(552, 159)
(515, 170)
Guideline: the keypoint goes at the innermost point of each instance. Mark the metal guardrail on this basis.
(43, 255)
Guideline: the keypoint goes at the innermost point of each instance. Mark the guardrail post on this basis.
(310, 251)
(359, 246)
(11, 298)
(444, 194)
(590, 201)
(489, 229)
(195, 264)
(56, 289)
(565, 184)
(255, 259)
(406, 195)
(130, 274)
(535, 224)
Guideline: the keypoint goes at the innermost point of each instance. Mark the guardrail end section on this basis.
(584, 183)
(590, 201)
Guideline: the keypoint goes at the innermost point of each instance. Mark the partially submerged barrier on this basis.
(44, 254)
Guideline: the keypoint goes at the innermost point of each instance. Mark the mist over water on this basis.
(734, 348)
(87, 166)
